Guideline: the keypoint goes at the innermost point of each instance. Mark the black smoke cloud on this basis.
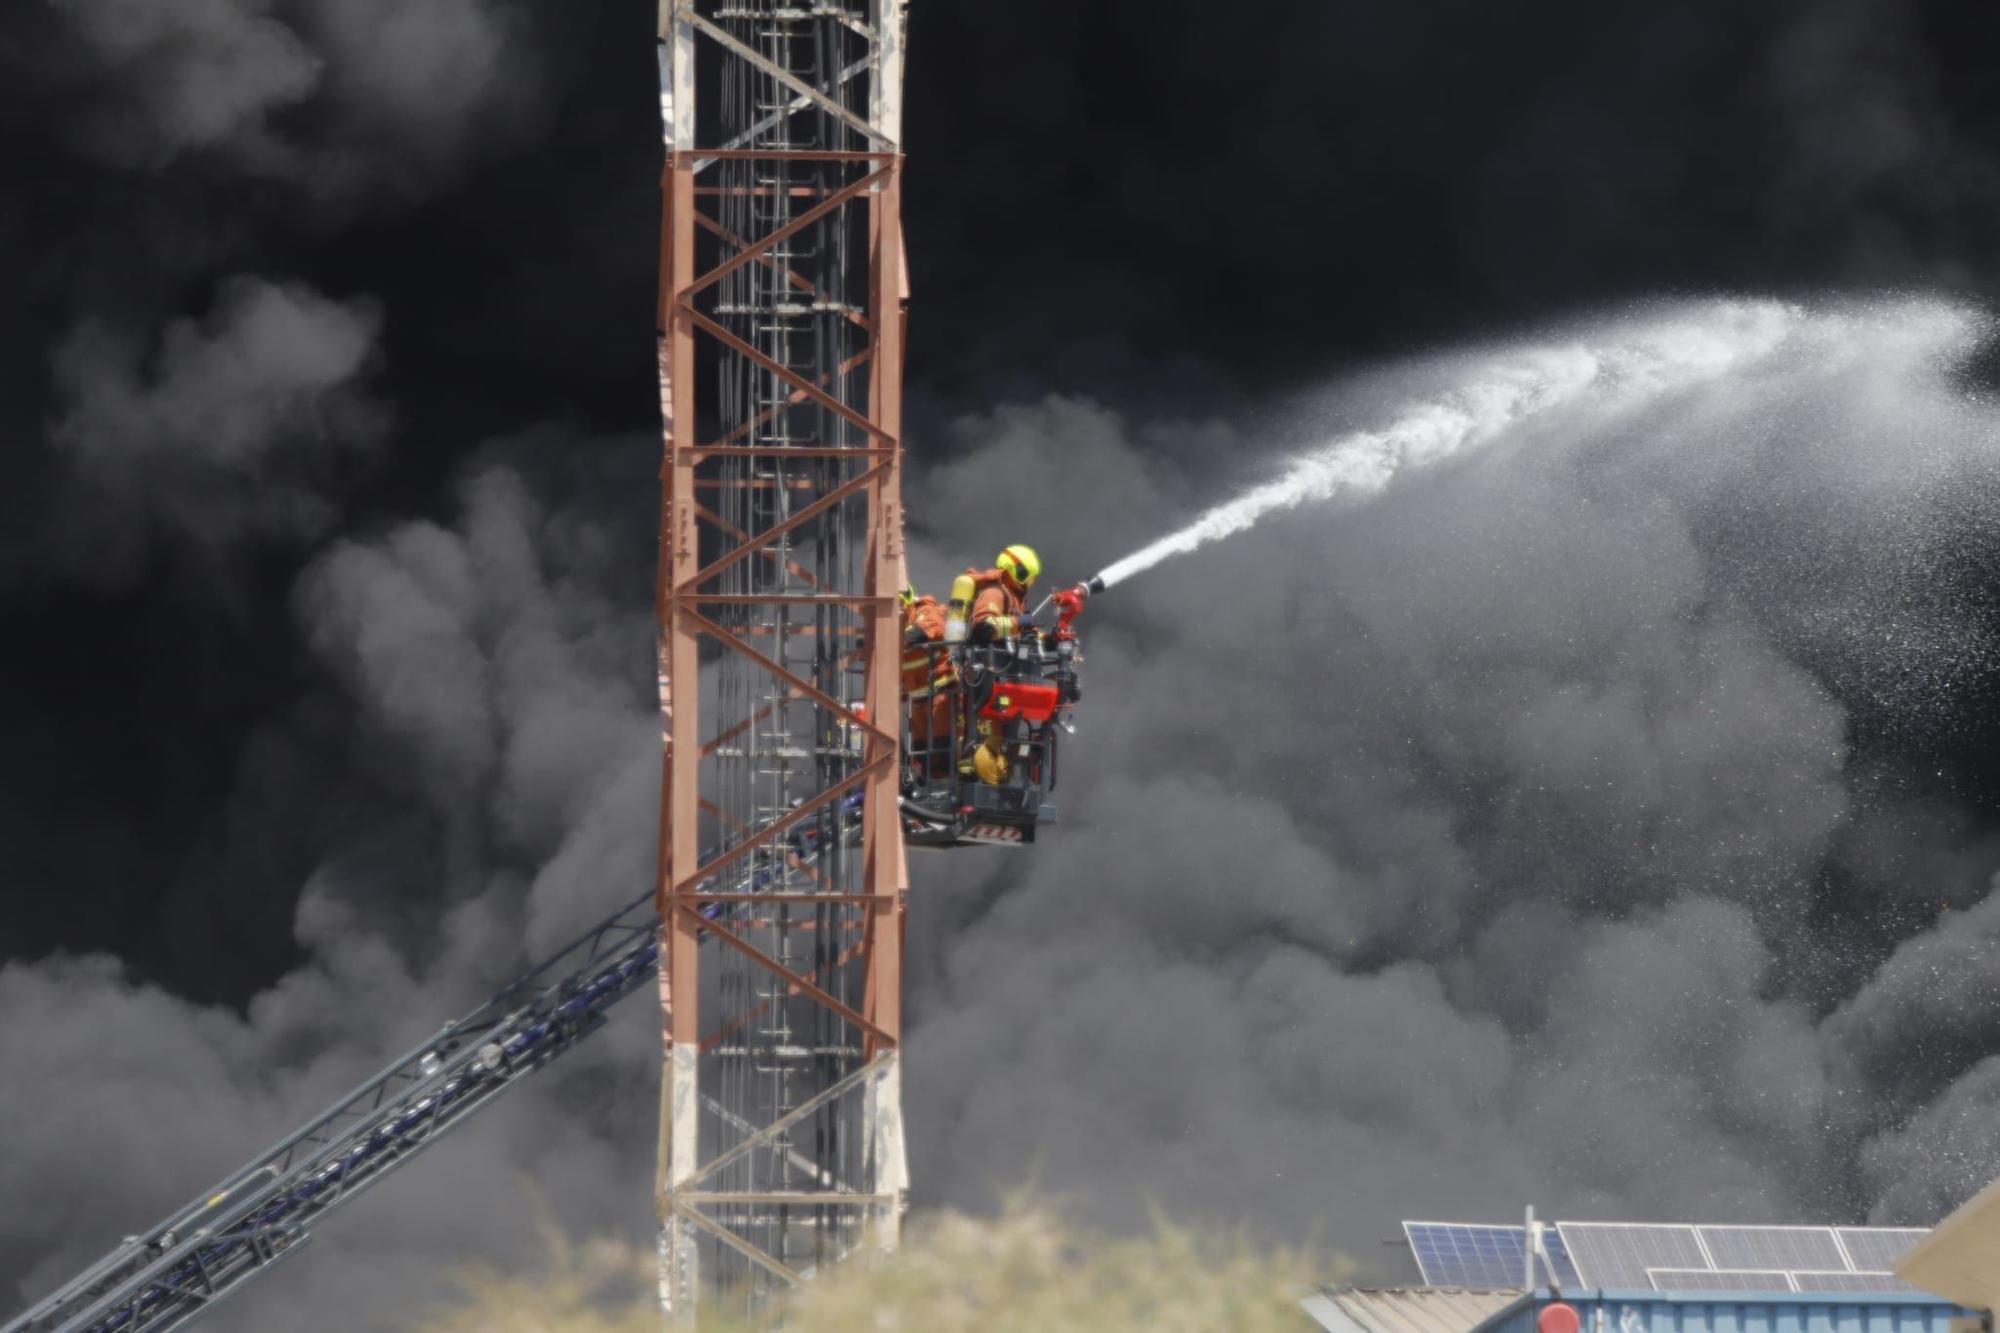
(1504, 840)
(1587, 822)
(239, 429)
(271, 288)
(181, 167)
(337, 97)
(481, 686)
(479, 178)
(187, 78)
(1191, 207)
(1486, 843)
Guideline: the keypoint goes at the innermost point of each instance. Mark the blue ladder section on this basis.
(208, 1249)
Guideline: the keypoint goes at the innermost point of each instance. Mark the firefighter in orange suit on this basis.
(923, 624)
(993, 601)
(927, 676)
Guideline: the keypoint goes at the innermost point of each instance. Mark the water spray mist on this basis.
(1619, 369)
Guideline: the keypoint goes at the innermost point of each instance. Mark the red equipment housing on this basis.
(1022, 699)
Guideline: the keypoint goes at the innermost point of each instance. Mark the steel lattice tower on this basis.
(781, 878)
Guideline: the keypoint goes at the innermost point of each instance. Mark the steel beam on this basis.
(782, 75)
(781, 552)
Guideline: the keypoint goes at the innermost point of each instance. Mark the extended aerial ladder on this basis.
(237, 1229)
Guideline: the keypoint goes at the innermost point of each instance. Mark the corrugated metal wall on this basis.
(1663, 1312)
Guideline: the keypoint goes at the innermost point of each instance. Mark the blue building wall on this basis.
(1740, 1312)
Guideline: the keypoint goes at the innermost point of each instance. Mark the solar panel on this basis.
(1552, 1244)
(1783, 1248)
(1617, 1254)
(1455, 1254)
(1851, 1282)
(1718, 1279)
(1875, 1249)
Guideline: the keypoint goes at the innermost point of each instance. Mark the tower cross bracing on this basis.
(780, 339)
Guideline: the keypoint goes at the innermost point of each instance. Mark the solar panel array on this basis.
(1454, 1254)
(1661, 1257)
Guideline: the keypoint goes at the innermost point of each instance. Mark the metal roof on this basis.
(1407, 1309)
(1712, 1312)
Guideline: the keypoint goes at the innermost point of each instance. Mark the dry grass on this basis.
(596, 1287)
(1024, 1270)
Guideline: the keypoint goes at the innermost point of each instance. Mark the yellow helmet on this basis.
(908, 596)
(1021, 564)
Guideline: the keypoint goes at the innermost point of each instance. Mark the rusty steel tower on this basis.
(781, 878)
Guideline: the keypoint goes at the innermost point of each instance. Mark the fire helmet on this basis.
(1021, 564)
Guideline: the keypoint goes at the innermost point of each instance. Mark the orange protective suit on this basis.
(994, 600)
(927, 680)
(923, 626)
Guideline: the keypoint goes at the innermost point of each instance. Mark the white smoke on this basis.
(1626, 370)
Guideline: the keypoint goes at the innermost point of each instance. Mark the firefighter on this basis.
(927, 679)
(993, 601)
(925, 668)
(923, 623)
